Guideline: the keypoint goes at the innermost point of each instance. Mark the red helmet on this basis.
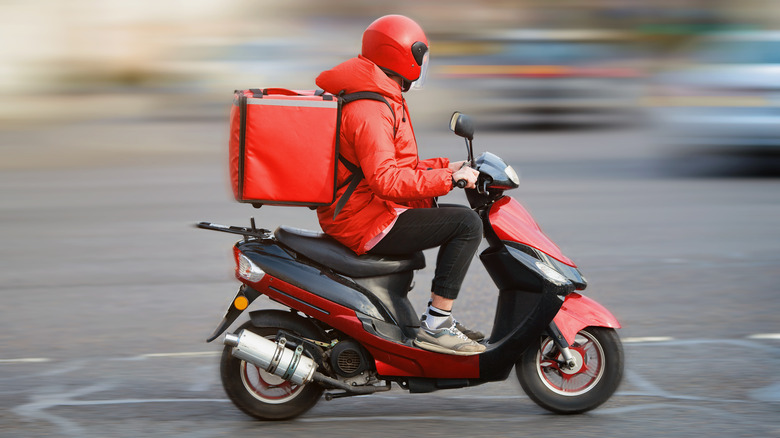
(397, 45)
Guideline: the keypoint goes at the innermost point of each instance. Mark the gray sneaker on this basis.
(474, 335)
(447, 339)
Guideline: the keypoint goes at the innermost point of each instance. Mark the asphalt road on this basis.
(108, 292)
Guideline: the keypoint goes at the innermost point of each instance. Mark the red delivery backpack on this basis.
(284, 146)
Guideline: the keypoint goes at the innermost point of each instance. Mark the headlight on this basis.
(248, 270)
(512, 175)
(551, 274)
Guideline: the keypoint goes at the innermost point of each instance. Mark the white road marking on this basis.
(769, 393)
(646, 388)
(130, 401)
(37, 407)
(629, 340)
(182, 354)
(765, 336)
(40, 404)
(408, 418)
(647, 339)
(26, 360)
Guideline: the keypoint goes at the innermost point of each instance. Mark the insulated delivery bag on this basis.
(284, 146)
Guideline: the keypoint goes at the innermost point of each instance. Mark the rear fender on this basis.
(578, 312)
(286, 319)
(245, 296)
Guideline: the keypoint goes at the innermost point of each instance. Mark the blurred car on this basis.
(724, 96)
(546, 71)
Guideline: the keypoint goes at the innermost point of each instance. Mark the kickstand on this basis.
(331, 395)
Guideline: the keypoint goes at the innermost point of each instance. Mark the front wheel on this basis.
(598, 354)
(261, 394)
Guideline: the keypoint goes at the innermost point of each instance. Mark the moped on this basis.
(349, 326)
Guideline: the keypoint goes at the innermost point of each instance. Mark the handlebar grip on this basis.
(461, 183)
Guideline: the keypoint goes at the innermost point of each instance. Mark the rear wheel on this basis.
(598, 355)
(261, 394)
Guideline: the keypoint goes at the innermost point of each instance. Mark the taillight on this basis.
(247, 270)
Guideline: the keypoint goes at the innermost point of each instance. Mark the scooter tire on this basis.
(569, 392)
(258, 393)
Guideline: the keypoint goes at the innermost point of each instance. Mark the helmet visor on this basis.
(420, 82)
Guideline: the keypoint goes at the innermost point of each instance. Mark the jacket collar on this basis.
(359, 74)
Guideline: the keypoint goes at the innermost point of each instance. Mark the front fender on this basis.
(578, 312)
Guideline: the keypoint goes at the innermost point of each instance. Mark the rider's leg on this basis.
(457, 230)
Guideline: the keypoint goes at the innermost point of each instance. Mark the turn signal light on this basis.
(241, 302)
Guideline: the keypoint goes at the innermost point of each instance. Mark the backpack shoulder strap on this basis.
(357, 173)
(353, 180)
(368, 95)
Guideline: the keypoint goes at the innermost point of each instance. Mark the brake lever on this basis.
(482, 189)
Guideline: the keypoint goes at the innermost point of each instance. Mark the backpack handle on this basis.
(282, 91)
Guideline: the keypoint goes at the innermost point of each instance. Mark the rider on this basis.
(390, 211)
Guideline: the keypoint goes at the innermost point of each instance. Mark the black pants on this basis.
(456, 229)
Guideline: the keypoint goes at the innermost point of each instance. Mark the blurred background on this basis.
(646, 135)
(702, 72)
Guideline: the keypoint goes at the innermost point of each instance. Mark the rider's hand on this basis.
(456, 165)
(468, 174)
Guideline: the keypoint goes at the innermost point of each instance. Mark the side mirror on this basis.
(462, 125)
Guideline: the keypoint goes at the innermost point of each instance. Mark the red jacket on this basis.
(394, 175)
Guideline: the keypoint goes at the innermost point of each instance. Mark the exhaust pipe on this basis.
(273, 357)
(287, 363)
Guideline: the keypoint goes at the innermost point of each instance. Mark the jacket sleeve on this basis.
(376, 153)
(434, 163)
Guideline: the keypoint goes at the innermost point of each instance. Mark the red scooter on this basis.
(350, 325)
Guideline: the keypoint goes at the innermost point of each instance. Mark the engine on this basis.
(349, 359)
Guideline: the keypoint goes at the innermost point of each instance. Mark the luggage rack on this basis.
(253, 231)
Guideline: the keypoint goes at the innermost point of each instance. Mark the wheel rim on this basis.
(267, 387)
(588, 356)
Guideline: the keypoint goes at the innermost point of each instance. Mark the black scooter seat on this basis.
(325, 250)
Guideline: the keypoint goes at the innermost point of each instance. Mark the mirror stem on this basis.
(470, 147)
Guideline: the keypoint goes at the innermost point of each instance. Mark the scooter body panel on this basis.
(512, 222)
(528, 300)
(330, 299)
(391, 358)
(280, 264)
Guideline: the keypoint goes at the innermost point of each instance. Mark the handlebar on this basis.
(461, 183)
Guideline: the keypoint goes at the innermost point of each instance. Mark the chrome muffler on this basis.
(274, 357)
